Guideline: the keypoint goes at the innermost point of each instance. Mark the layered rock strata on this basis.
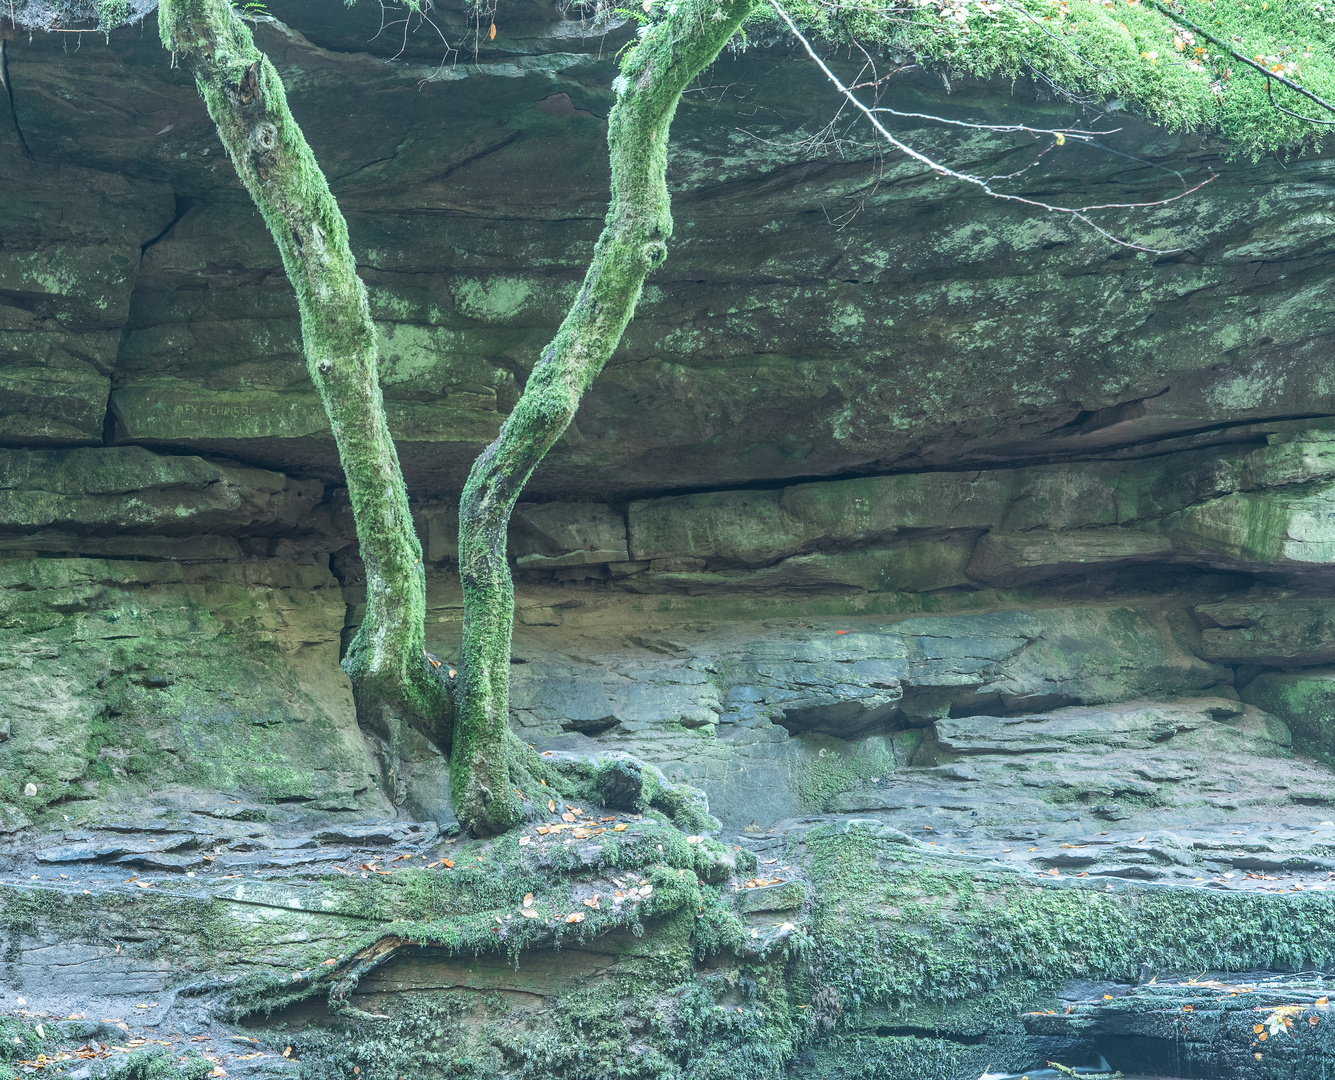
(979, 572)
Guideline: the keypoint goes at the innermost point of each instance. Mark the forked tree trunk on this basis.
(487, 761)
(245, 98)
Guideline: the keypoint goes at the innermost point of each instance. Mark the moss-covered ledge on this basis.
(899, 959)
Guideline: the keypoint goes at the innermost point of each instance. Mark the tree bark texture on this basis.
(246, 99)
(485, 765)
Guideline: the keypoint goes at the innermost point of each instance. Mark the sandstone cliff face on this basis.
(934, 329)
(894, 502)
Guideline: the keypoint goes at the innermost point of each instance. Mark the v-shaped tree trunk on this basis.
(386, 660)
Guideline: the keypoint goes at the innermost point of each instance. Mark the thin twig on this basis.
(1055, 39)
(1270, 92)
(1065, 133)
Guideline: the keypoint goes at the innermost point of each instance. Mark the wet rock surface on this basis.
(109, 991)
(1095, 744)
(1265, 1025)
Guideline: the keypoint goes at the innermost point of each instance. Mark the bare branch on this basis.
(1080, 213)
(420, 10)
(1270, 92)
(1065, 133)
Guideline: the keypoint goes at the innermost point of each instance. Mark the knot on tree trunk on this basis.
(248, 89)
(263, 138)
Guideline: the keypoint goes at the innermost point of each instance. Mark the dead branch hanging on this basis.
(1080, 213)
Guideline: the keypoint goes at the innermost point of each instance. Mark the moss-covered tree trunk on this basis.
(245, 97)
(485, 765)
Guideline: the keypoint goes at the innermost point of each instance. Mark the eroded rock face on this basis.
(952, 552)
(937, 330)
(188, 680)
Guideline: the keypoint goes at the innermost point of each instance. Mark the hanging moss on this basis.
(911, 933)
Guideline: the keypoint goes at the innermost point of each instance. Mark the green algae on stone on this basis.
(910, 956)
(133, 676)
(987, 926)
(1283, 631)
(913, 941)
(831, 767)
(1305, 701)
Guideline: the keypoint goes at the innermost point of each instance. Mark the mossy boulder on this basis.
(1305, 701)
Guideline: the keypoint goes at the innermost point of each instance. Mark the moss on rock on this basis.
(1305, 701)
(138, 681)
